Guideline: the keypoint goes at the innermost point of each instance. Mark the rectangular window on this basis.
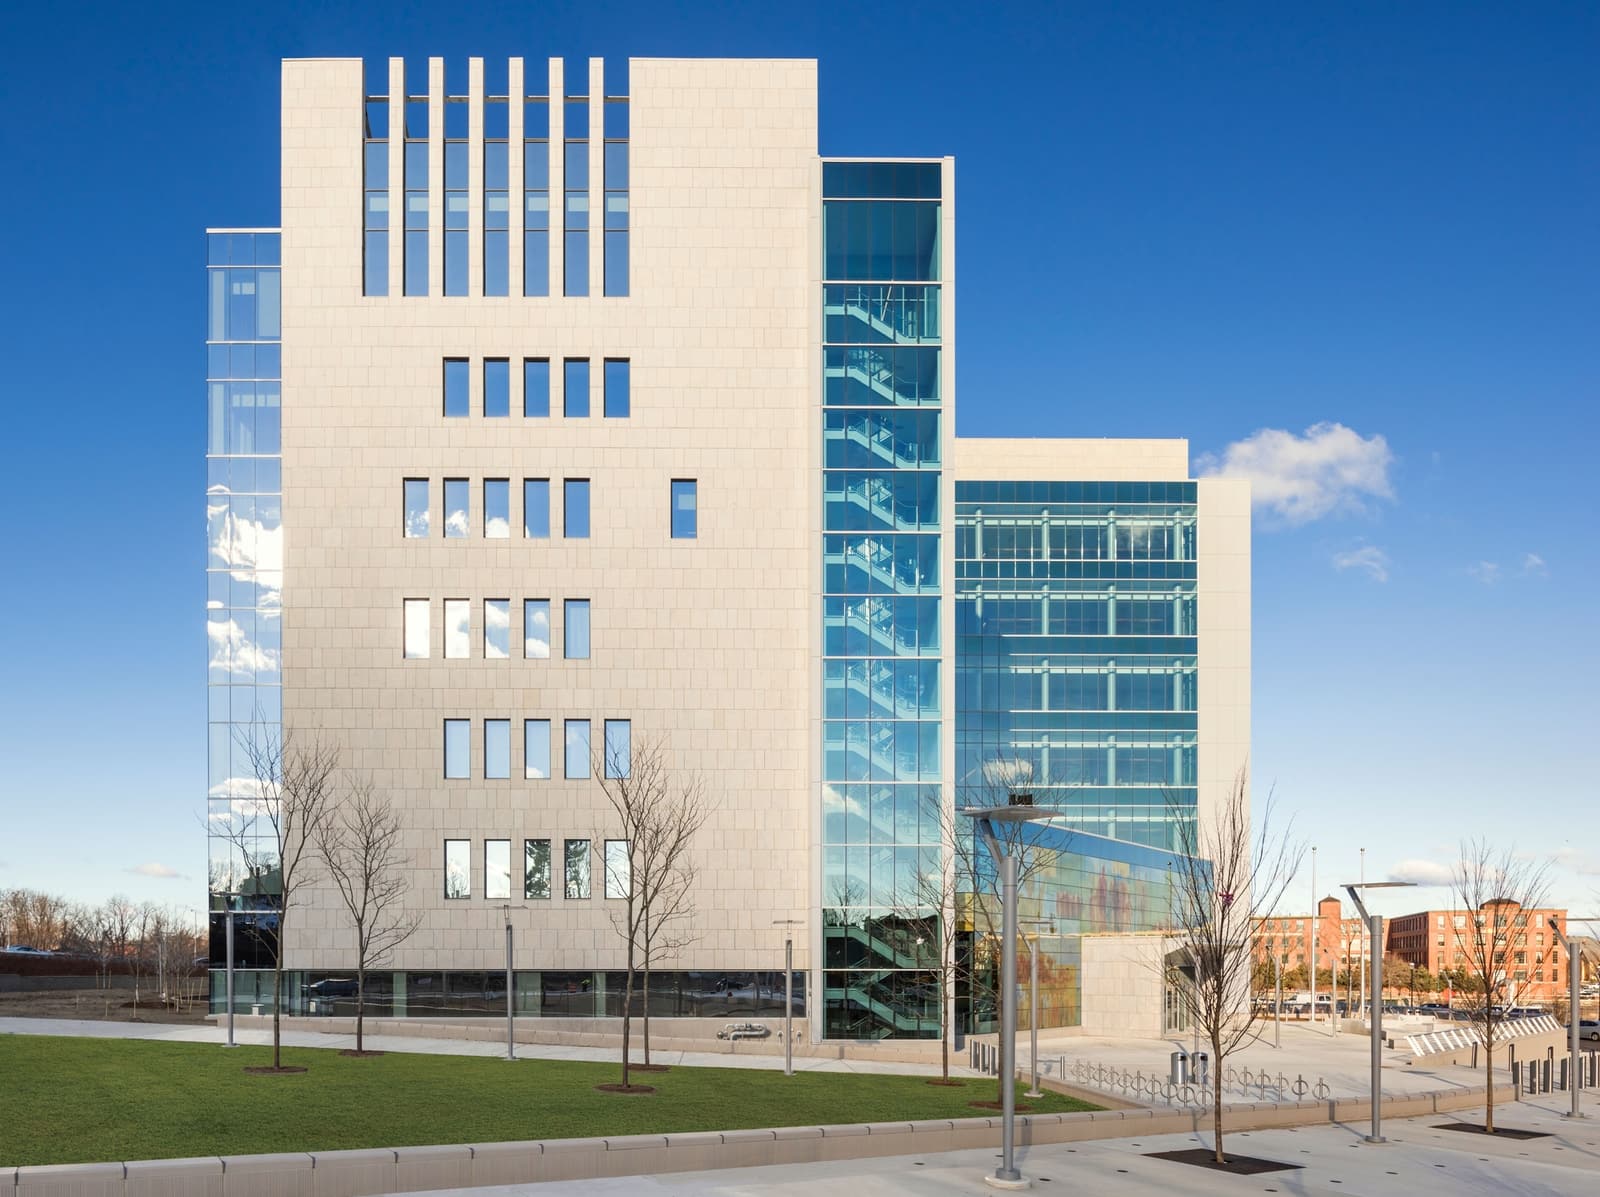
(497, 748)
(455, 211)
(536, 199)
(416, 210)
(575, 388)
(535, 868)
(375, 169)
(536, 749)
(496, 387)
(536, 629)
(575, 508)
(577, 868)
(457, 508)
(619, 748)
(457, 749)
(536, 508)
(576, 226)
(457, 629)
(616, 196)
(575, 633)
(458, 868)
(496, 209)
(496, 868)
(576, 762)
(535, 387)
(617, 400)
(496, 629)
(457, 388)
(685, 505)
(618, 868)
(496, 508)
(416, 625)
(416, 495)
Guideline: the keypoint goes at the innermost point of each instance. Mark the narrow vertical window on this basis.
(685, 509)
(416, 199)
(496, 387)
(497, 748)
(416, 629)
(457, 633)
(455, 195)
(416, 502)
(496, 868)
(536, 508)
(535, 629)
(457, 508)
(577, 868)
(575, 764)
(375, 198)
(575, 508)
(619, 748)
(575, 242)
(496, 508)
(616, 193)
(536, 868)
(457, 749)
(618, 869)
(496, 629)
(575, 388)
(536, 749)
(535, 387)
(617, 400)
(496, 197)
(458, 868)
(575, 631)
(536, 197)
(457, 388)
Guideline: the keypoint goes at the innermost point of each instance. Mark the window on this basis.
(416, 200)
(496, 629)
(575, 388)
(536, 197)
(618, 869)
(496, 868)
(416, 490)
(497, 748)
(457, 629)
(496, 387)
(685, 501)
(575, 508)
(616, 196)
(458, 868)
(455, 202)
(536, 749)
(577, 868)
(619, 748)
(535, 387)
(536, 629)
(576, 763)
(535, 868)
(617, 401)
(375, 182)
(457, 749)
(496, 508)
(416, 623)
(575, 617)
(536, 508)
(576, 237)
(457, 508)
(456, 389)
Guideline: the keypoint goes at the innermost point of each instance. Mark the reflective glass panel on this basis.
(497, 748)
(575, 508)
(457, 508)
(618, 869)
(536, 508)
(416, 507)
(536, 629)
(577, 869)
(536, 749)
(457, 748)
(496, 868)
(685, 509)
(535, 387)
(457, 625)
(496, 508)
(619, 748)
(496, 387)
(617, 400)
(496, 629)
(575, 384)
(535, 868)
(576, 762)
(416, 625)
(458, 868)
(456, 387)
(576, 631)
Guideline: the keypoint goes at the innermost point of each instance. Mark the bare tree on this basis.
(1495, 889)
(659, 814)
(360, 845)
(1225, 881)
(929, 918)
(277, 831)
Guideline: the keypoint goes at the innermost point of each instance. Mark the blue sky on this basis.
(1233, 224)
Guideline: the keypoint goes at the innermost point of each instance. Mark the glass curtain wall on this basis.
(244, 582)
(881, 595)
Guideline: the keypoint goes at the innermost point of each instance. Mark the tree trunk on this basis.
(645, 982)
(277, 998)
(1488, 1107)
(627, 1020)
(361, 1002)
(1216, 1101)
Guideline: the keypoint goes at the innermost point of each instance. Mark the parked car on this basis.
(1589, 1028)
(22, 949)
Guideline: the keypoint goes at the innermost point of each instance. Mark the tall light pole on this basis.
(1019, 810)
(1363, 947)
(511, 1040)
(1575, 995)
(788, 991)
(1315, 943)
(1374, 924)
(228, 900)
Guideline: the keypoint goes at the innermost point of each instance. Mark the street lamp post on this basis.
(511, 1040)
(1575, 995)
(1314, 946)
(788, 991)
(228, 899)
(1374, 923)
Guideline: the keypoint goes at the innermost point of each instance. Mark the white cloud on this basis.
(1368, 557)
(1487, 572)
(1421, 872)
(1329, 469)
(151, 869)
(1532, 563)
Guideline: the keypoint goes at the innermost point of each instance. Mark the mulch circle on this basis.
(350, 1051)
(270, 1071)
(649, 1068)
(626, 1090)
(944, 1084)
(1499, 1132)
(1239, 1165)
(1020, 1107)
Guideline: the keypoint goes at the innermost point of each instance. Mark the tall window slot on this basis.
(375, 198)
(455, 194)
(616, 180)
(416, 191)
(536, 196)
(575, 241)
(496, 196)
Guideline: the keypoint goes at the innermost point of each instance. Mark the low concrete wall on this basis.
(413, 1169)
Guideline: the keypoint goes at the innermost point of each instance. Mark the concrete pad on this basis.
(284, 1175)
(201, 1177)
(70, 1180)
(432, 1167)
(353, 1173)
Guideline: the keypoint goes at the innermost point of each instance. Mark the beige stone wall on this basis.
(704, 643)
(1223, 606)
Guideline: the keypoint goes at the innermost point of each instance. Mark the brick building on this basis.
(1530, 954)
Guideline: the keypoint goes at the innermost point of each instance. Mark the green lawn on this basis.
(66, 1100)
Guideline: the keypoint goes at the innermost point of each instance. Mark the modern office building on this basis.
(577, 409)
